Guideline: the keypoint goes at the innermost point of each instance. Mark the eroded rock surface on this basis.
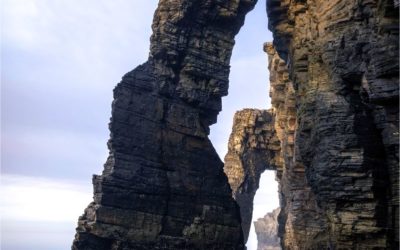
(267, 231)
(332, 135)
(163, 185)
(297, 219)
(339, 187)
(334, 76)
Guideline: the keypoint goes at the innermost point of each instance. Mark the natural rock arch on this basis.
(334, 83)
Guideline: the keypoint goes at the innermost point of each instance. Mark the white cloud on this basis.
(41, 199)
(36, 235)
(14, 24)
(40, 213)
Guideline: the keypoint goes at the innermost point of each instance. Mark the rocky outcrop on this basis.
(163, 185)
(252, 148)
(339, 184)
(267, 231)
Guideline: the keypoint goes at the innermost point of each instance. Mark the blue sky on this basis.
(60, 61)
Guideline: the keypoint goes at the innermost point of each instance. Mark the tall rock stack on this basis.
(342, 59)
(163, 185)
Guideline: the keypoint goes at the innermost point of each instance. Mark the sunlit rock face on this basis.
(297, 200)
(267, 231)
(340, 189)
(252, 148)
(163, 185)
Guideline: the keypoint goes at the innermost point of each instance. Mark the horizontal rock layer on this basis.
(339, 185)
(334, 76)
(332, 135)
(163, 185)
(300, 216)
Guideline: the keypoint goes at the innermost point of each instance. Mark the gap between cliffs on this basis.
(248, 87)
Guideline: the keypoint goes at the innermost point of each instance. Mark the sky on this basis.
(60, 60)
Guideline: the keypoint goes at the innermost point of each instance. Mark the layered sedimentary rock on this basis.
(299, 216)
(163, 185)
(252, 148)
(339, 185)
(332, 135)
(267, 231)
(334, 89)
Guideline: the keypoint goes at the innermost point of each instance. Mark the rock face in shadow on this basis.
(163, 185)
(339, 184)
(267, 231)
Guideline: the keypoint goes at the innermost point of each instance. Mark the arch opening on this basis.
(263, 230)
(249, 87)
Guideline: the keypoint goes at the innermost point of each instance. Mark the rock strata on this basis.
(332, 134)
(334, 76)
(267, 231)
(163, 185)
(339, 184)
(298, 204)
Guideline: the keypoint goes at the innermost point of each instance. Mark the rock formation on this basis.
(299, 207)
(342, 59)
(251, 150)
(267, 231)
(163, 185)
(332, 134)
(334, 74)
